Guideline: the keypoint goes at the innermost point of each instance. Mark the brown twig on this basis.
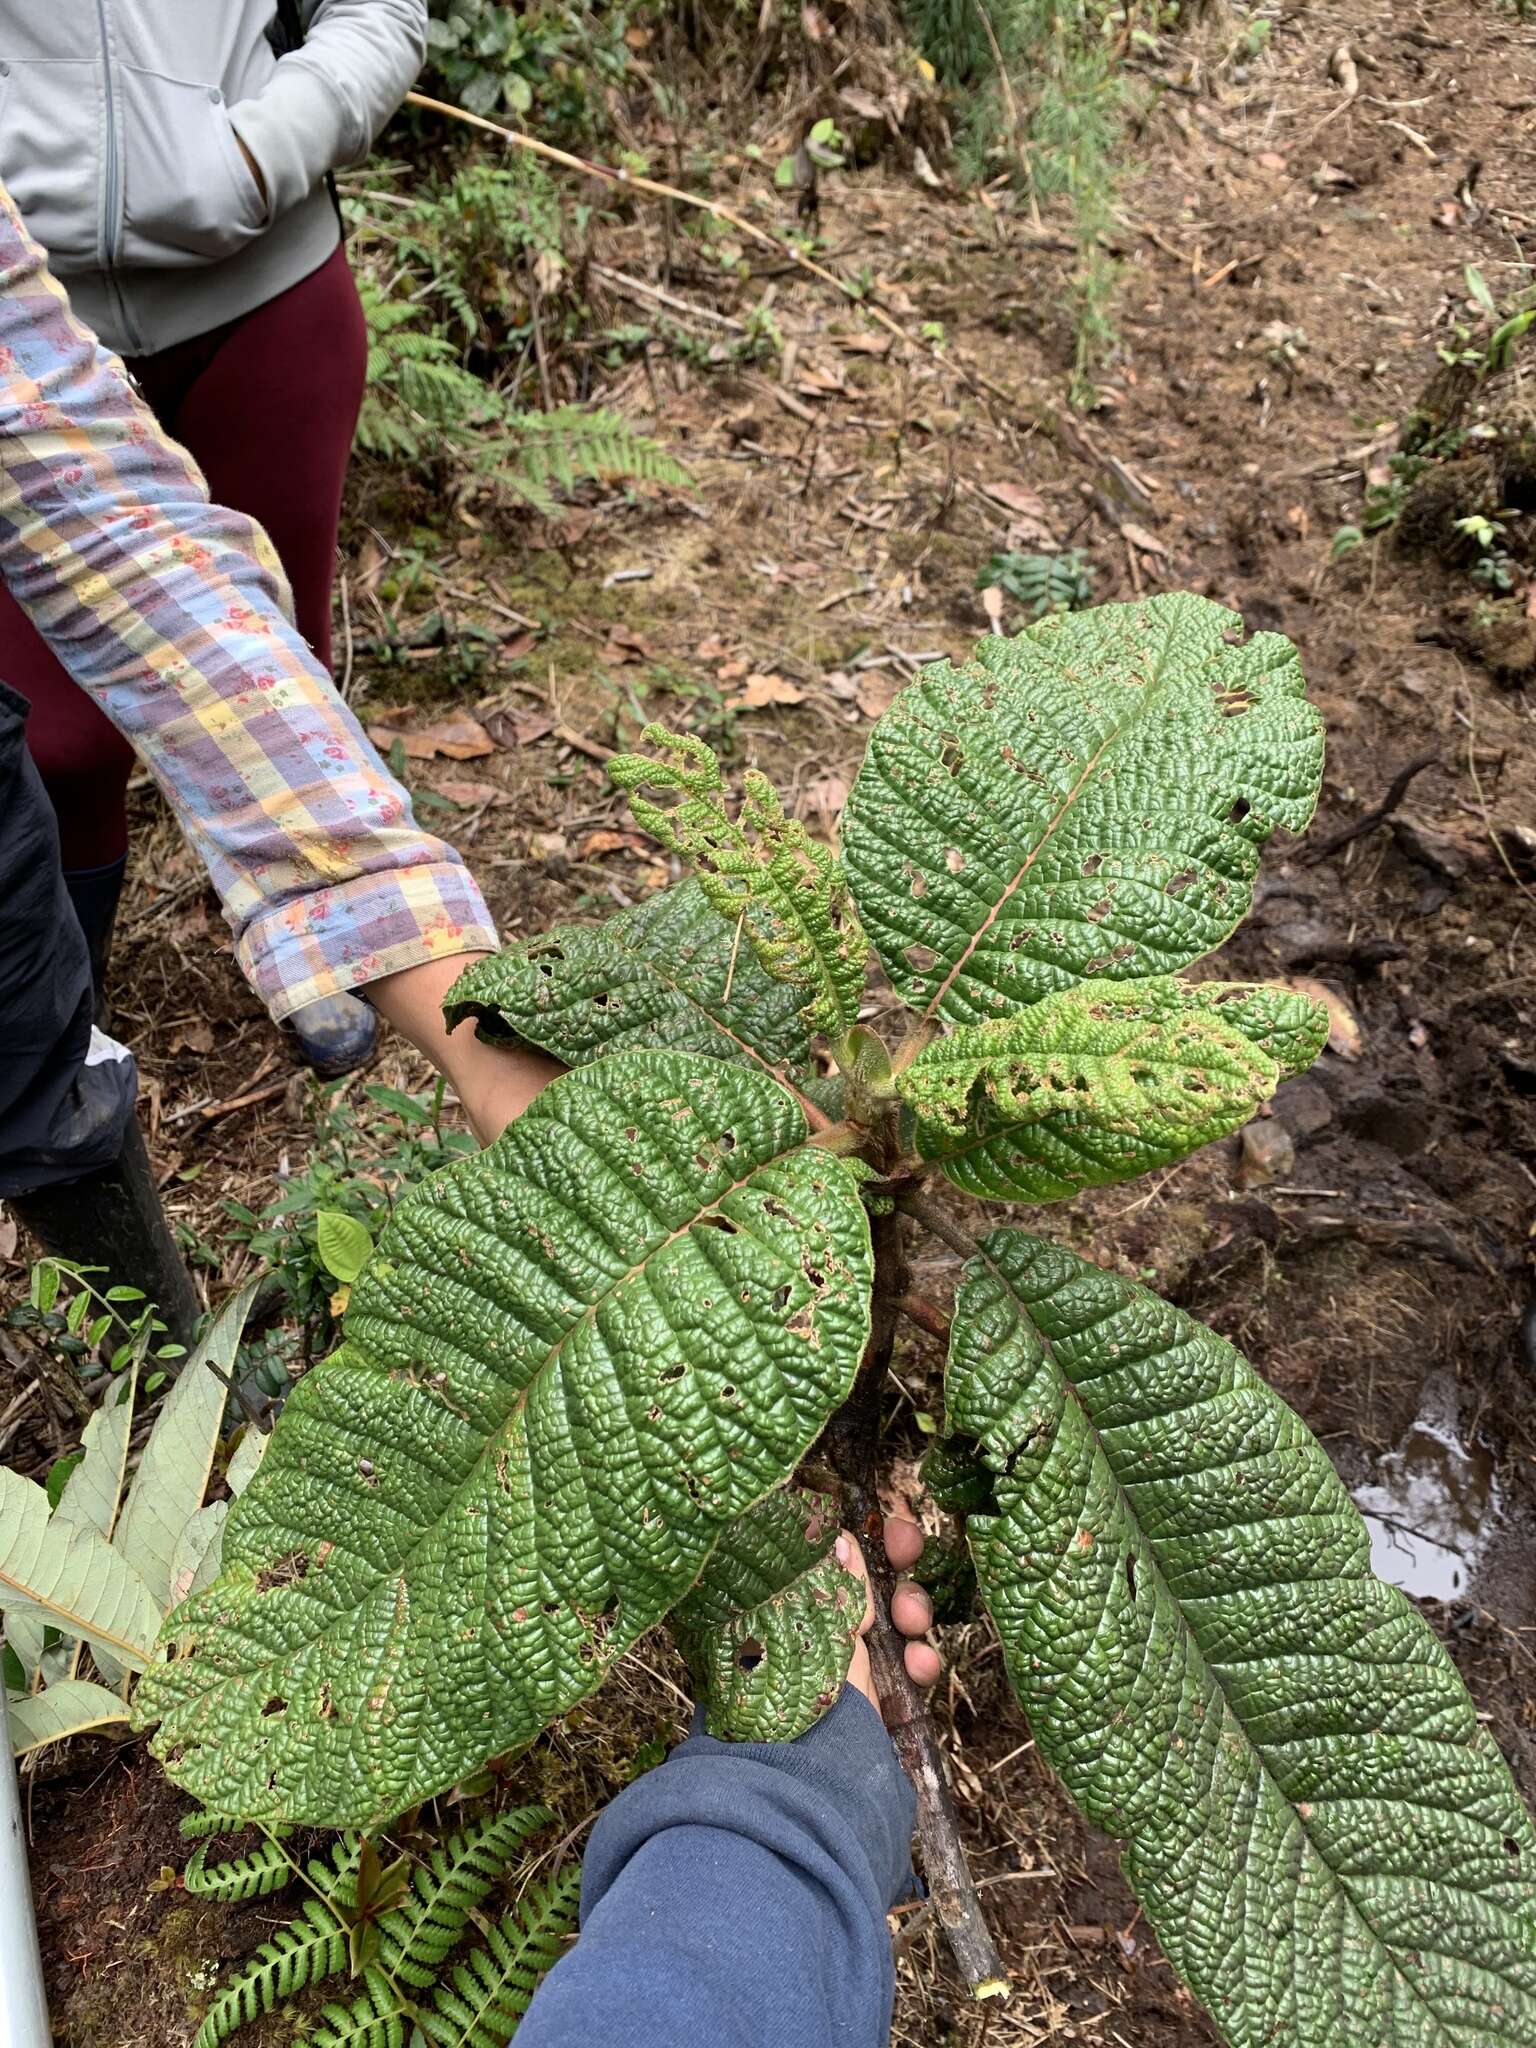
(926, 1316)
(1396, 791)
(852, 1444)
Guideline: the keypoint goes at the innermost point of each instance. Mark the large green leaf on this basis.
(669, 974)
(68, 1575)
(785, 894)
(173, 1473)
(1104, 1081)
(574, 1358)
(1086, 800)
(769, 1628)
(1329, 1846)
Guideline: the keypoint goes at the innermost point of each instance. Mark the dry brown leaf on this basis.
(864, 344)
(607, 840)
(194, 1037)
(826, 795)
(712, 648)
(1139, 537)
(474, 795)
(517, 644)
(733, 671)
(459, 739)
(511, 729)
(1344, 1034)
(841, 684)
(876, 691)
(1017, 498)
(763, 689)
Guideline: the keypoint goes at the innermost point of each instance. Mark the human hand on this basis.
(253, 167)
(911, 1608)
(494, 1083)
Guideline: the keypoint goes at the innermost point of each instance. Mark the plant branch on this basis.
(926, 1314)
(933, 1220)
(852, 1444)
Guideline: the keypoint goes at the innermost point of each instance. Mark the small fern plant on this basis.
(420, 402)
(610, 1370)
(402, 1933)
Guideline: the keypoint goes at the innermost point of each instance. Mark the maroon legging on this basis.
(268, 405)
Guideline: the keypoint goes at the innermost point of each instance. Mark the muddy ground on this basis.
(1290, 264)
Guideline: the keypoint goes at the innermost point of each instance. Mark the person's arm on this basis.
(325, 104)
(736, 1896)
(172, 614)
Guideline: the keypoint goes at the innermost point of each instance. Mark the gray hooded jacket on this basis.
(120, 130)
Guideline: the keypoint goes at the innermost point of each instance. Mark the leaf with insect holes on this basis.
(1102, 1082)
(574, 1359)
(761, 869)
(1085, 801)
(1328, 1845)
(768, 1630)
(668, 974)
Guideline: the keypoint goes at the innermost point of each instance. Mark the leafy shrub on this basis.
(1041, 583)
(448, 327)
(96, 1563)
(1045, 90)
(547, 63)
(583, 1367)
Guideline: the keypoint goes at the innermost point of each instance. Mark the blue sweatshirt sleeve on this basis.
(736, 1898)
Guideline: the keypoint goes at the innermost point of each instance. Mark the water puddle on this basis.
(1433, 1507)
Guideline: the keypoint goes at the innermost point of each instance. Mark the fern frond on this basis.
(261, 1871)
(416, 1938)
(195, 1825)
(570, 443)
(377, 2019)
(312, 1947)
(485, 1996)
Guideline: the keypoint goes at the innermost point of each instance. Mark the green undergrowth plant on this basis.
(1041, 583)
(465, 288)
(627, 1363)
(91, 1565)
(428, 1965)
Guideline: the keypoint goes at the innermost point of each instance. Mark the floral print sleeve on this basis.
(173, 614)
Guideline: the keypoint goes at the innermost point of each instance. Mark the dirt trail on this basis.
(1289, 262)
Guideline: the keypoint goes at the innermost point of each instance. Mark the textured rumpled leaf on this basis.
(68, 1575)
(1329, 1846)
(761, 870)
(574, 1358)
(173, 1473)
(72, 1706)
(1104, 1081)
(668, 974)
(1087, 800)
(769, 1628)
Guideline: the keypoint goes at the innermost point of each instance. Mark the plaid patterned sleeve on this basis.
(173, 614)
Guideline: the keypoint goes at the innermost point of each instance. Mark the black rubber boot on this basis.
(114, 1218)
(95, 894)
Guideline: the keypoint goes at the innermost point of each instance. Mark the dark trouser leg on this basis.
(72, 1162)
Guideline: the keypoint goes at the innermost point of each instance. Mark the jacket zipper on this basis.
(112, 227)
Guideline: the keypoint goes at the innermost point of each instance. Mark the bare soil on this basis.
(1291, 263)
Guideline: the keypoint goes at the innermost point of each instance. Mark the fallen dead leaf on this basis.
(511, 729)
(517, 644)
(1017, 498)
(876, 691)
(712, 648)
(763, 689)
(1270, 160)
(458, 739)
(1139, 537)
(827, 795)
(841, 684)
(474, 795)
(194, 1037)
(607, 840)
(733, 671)
(1344, 1034)
(864, 344)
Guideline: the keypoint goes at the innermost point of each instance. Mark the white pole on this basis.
(23, 2003)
